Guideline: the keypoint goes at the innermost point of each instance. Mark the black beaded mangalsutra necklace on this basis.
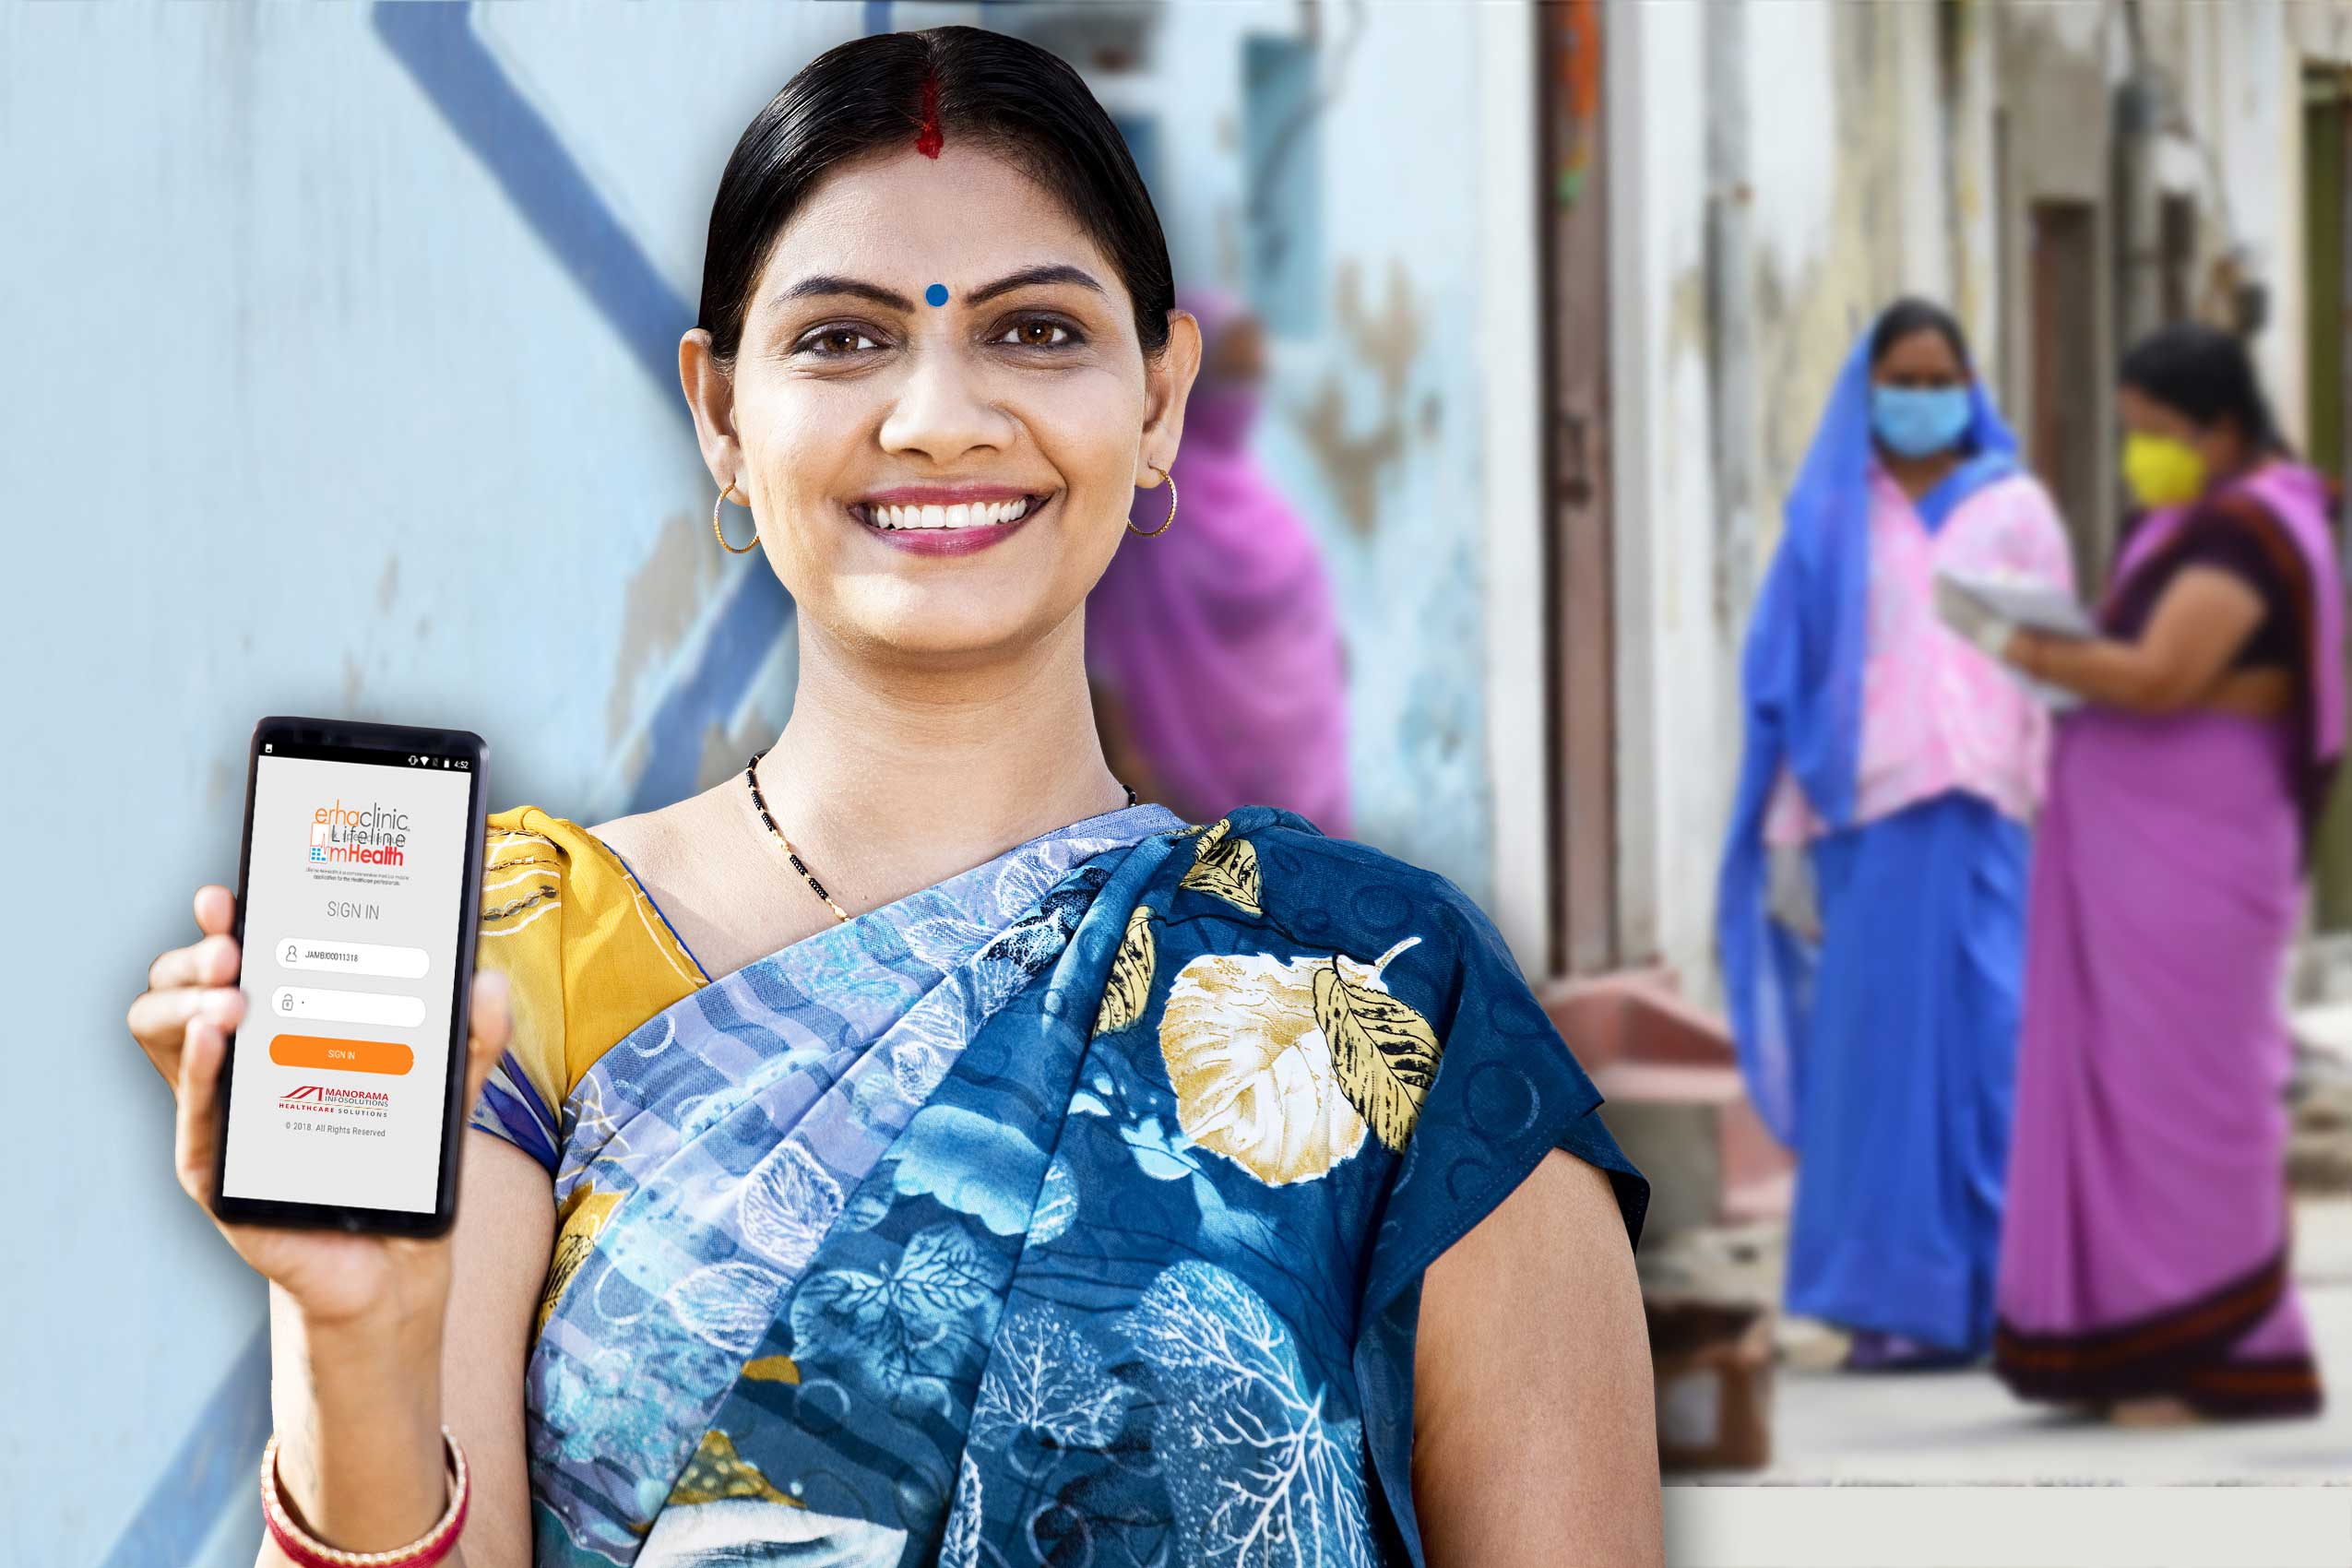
(759, 804)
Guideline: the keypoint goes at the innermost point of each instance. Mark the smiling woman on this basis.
(915, 1150)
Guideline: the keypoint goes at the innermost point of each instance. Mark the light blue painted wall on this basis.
(301, 414)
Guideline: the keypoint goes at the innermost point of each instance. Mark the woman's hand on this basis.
(183, 1021)
(358, 1321)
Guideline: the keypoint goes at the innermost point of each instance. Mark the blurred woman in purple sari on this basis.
(2143, 1265)
(1216, 647)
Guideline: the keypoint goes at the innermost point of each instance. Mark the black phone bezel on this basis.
(352, 735)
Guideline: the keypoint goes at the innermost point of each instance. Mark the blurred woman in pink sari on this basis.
(1215, 645)
(2144, 1264)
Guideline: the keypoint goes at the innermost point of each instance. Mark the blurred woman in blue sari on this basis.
(914, 1150)
(1871, 910)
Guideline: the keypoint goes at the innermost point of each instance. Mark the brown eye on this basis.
(1039, 332)
(834, 342)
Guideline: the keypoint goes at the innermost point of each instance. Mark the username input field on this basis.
(349, 958)
(346, 1006)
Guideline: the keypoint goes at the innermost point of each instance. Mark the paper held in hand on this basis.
(1987, 610)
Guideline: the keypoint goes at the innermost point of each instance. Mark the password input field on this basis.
(346, 1006)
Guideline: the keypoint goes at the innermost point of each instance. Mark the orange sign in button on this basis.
(345, 1055)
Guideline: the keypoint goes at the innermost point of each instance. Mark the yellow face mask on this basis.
(2160, 471)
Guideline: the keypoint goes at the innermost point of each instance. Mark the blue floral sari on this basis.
(1073, 1211)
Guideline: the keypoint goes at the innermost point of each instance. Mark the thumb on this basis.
(490, 1020)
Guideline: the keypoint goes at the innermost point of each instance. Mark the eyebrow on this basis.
(1028, 278)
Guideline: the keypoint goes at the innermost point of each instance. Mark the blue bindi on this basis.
(936, 295)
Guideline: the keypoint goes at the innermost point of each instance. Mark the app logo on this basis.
(327, 1100)
(374, 834)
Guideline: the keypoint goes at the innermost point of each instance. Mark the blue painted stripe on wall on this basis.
(513, 141)
(521, 151)
(214, 1461)
(757, 611)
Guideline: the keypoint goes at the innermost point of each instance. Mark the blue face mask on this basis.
(1919, 421)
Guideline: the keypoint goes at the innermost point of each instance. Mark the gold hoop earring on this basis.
(715, 508)
(1155, 533)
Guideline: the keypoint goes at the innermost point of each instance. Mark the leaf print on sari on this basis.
(1251, 1071)
(1259, 1080)
(578, 1221)
(908, 1329)
(1044, 1378)
(1127, 991)
(725, 1304)
(925, 1043)
(1259, 1477)
(789, 1201)
(1384, 1053)
(1226, 867)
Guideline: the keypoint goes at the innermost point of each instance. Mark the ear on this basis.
(711, 397)
(1168, 383)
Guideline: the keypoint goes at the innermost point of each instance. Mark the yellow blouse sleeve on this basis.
(587, 957)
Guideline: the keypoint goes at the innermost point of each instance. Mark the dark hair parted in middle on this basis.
(916, 91)
(2206, 376)
(1912, 314)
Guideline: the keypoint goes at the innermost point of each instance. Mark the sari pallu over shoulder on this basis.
(1131, 1283)
(2286, 506)
(704, 1154)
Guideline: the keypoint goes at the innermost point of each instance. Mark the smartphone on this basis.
(358, 891)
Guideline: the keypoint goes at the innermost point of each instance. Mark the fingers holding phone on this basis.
(198, 981)
(333, 1278)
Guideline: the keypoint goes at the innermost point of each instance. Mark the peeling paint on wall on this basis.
(666, 596)
(1355, 463)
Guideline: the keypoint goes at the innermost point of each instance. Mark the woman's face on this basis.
(860, 417)
(1922, 359)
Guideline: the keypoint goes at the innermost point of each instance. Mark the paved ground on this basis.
(1964, 1428)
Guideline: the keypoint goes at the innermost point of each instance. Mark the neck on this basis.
(894, 779)
(1917, 475)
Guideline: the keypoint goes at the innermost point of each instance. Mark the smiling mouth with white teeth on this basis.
(934, 520)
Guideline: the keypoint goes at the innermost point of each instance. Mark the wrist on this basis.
(361, 1461)
(298, 1542)
(388, 1339)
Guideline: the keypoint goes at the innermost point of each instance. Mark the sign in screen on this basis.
(351, 948)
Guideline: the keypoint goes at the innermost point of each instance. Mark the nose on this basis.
(944, 411)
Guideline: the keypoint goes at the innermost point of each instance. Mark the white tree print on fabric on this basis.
(1258, 1477)
(1045, 1378)
(960, 1548)
(789, 1201)
(729, 1304)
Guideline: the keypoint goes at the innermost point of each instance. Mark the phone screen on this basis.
(352, 915)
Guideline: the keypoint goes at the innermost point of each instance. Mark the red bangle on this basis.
(306, 1551)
